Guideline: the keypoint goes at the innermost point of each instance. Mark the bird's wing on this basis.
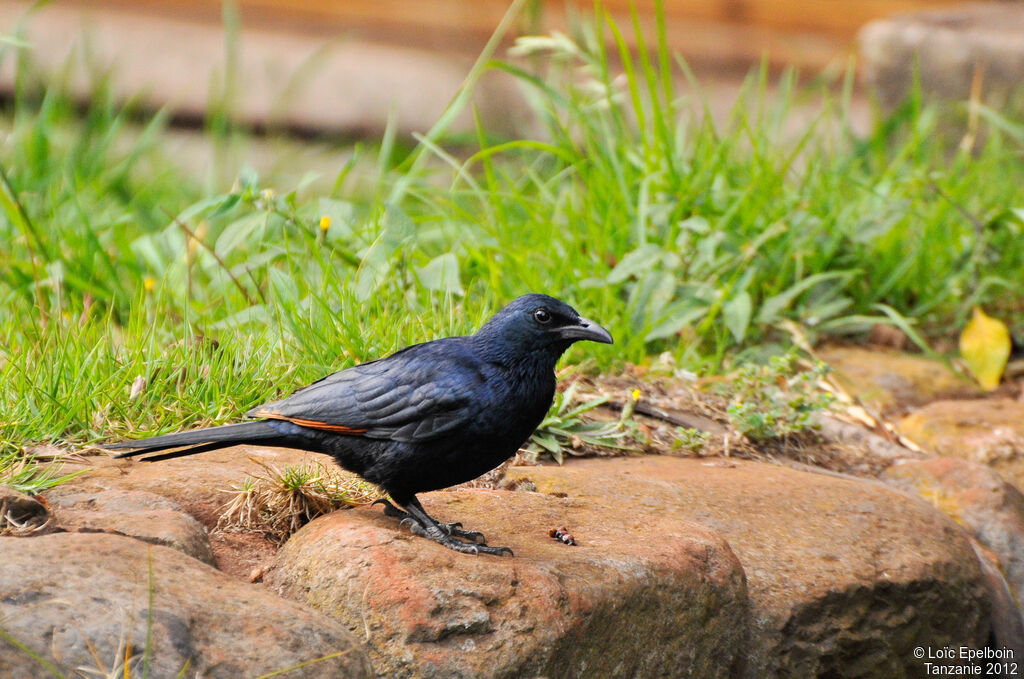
(416, 394)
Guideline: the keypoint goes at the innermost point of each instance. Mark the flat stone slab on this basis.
(640, 596)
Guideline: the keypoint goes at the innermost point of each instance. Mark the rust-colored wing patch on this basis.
(312, 424)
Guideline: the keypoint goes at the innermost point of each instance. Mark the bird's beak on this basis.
(586, 329)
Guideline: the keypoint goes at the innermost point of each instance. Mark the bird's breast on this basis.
(523, 405)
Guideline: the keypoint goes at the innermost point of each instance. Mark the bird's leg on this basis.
(424, 525)
(453, 529)
(391, 510)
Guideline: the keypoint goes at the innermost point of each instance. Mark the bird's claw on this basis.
(453, 529)
(451, 535)
(450, 529)
(468, 547)
(456, 532)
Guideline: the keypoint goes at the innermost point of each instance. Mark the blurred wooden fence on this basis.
(723, 33)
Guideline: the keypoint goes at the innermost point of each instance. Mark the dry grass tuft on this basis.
(21, 515)
(281, 501)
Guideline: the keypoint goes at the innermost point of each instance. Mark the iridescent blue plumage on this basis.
(427, 417)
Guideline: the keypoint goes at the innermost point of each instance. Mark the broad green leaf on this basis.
(819, 313)
(376, 264)
(237, 232)
(340, 212)
(398, 227)
(202, 206)
(706, 249)
(146, 249)
(650, 296)
(773, 306)
(695, 224)
(283, 286)
(677, 317)
(548, 443)
(255, 315)
(641, 259)
(252, 263)
(441, 274)
(372, 270)
(736, 313)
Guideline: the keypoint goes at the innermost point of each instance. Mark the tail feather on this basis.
(200, 440)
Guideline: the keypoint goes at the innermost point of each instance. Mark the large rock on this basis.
(640, 596)
(80, 600)
(949, 48)
(133, 513)
(976, 497)
(887, 380)
(988, 431)
(845, 577)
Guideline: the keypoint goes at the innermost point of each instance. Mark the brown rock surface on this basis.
(640, 596)
(988, 431)
(884, 380)
(200, 483)
(977, 498)
(1007, 621)
(845, 577)
(70, 595)
(133, 513)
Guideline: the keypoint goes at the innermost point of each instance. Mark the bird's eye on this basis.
(542, 316)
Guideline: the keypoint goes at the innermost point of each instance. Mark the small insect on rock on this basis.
(562, 535)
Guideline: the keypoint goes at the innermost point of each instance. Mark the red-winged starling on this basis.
(427, 417)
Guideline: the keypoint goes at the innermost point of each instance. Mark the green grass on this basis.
(678, 234)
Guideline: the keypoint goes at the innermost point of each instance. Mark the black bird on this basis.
(427, 417)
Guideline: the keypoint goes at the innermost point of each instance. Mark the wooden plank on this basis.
(840, 17)
(808, 33)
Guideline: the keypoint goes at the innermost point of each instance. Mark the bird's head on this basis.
(539, 323)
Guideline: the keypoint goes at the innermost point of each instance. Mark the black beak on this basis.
(586, 329)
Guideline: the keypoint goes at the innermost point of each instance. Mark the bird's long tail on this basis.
(202, 440)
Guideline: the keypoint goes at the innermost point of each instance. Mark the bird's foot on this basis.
(452, 529)
(438, 534)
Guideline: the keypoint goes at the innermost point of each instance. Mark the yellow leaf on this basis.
(985, 346)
